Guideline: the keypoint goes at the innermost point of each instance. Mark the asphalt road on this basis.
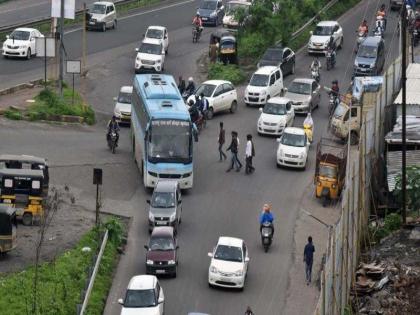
(219, 203)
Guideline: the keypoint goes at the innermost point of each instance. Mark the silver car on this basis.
(166, 205)
(102, 16)
(304, 94)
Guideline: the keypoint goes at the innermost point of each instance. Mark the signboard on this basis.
(40, 46)
(170, 122)
(69, 9)
(73, 66)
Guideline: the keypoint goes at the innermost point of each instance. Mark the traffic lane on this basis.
(130, 30)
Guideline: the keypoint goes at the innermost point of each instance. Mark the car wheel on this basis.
(233, 107)
(27, 218)
(28, 54)
(5, 56)
(278, 165)
(293, 69)
(103, 27)
(210, 113)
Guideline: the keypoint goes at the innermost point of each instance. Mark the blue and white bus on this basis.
(162, 131)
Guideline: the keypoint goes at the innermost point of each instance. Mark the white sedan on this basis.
(220, 94)
(293, 148)
(277, 114)
(321, 36)
(21, 43)
(229, 263)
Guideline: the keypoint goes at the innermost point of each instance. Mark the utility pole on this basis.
(403, 104)
(84, 41)
(61, 66)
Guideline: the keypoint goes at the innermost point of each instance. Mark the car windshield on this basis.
(367, 51)
(208, 5)
(161, 243)
(20, 35)
(293, 140)
(275, 109)
(273, 54)
(340, 110)
(327, 171)
(152, 49)
(323, 30)
(98, 9)
(206, 89)
(124, 98)
(163, 200)
(232, 7)
(300, 88)
(140, 298)
(154, 33)
(228, 253)
(259, 80)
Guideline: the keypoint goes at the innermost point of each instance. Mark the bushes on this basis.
(13, 114)
(232, 73)
(391, 223)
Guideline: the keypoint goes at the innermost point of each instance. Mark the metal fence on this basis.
(346, 237)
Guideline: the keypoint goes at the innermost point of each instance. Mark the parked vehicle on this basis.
(293, 148)
(161, 256)
(211, 12)
(220, 94)
(370, 58)
(229, 263)
(266, 235)
(320, 37)
(330, 170)
(228, 52)
(160, 33)
(122, 109)
(102, 16)
(279, 56)
(8, 226)
(21, 43)
(276, 115)
(229, 20)
(166, 205)
(144, 296)
(304, 94)
(265, 83)
(150, 56)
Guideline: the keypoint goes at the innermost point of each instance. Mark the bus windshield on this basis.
(170, 141)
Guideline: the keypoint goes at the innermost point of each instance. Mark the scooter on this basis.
(330, 59)
(200, 122)
(378, 32)
(333, 103)
(267, 235)
(315, 74)
(112, 141)
(196, 34)
(361, 36)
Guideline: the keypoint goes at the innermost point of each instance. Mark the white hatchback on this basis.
(229, 263)
(144, 296)
(321, 36)
(276, 115)
(122, 109)
(21, 43)
(158, 32)
(265, 83)
(220, 94)
(293, 148)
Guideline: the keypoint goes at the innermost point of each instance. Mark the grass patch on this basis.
(13, 114)
(232, 73)
(392, 222)
(61, 281)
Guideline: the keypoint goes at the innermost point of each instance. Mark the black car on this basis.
(279, 56)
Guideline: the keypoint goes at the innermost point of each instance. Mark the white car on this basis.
(150, 56)
(144, 296)
(293, 148)
(122, 109)
(321, 36)
(21, 43)
(158, 32)
(229, 263)
(276, 115)
(265, 83)
(231, 7)
(220, 94)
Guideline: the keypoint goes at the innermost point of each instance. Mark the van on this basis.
(102, 16)
(370, 58)
(265, 83)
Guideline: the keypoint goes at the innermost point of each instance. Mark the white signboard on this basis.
(69, 9)
(40, 46)
(73, 66)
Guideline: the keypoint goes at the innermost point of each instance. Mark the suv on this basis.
(144, 295)
(165, 207)
(370, 58)
(279, 56)
(276, 115)
(161, 256)
(158, 32)
(211, 11)
(304, 94)
(150, 56)
(321, 36)
(101, 16)
(122, 110)
(266, 82)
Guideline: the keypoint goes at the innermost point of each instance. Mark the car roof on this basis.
(230, 241)
(294, 130)
(26, 29)
(371, 41)
(104, 2)
(216, 82)
(142, 282)
(327, 23)
(155, 41)
(166, 185)
(157, 27)
(303, 80)
(279, 100)
(163, 231)
(126, 89)
(266, 70)
(240, 2)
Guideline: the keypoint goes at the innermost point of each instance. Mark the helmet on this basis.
(191, 102)
(379, 17)
(114, 117)
(334, 82)
(197, 15)
(266, 207)
(190, 79)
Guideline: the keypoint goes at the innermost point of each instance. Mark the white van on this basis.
(265, 83)
(102, 16)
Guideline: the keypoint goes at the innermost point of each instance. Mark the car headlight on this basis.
(138, 59)
(171, 262)
(372, 65)
(172, 217)
(213, 14)
(213, 269)
(302, 155)
(310, 43)
(259, 121)
(149, 262)
(22, 46)
(151, 217)
(158, 61)
(239, 273)
(281, 152)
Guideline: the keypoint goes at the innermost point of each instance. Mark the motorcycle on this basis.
(196, 34)
(200, 122)
(112, 141)
(361, 36)
(266, 235)
(315, 74)
(185, 95)
(333, 103)
(378, 32)
(330, 59)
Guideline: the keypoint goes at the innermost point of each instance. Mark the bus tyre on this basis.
(27, 218)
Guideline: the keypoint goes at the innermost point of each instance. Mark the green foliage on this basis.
(61, 281)
(392, 223)
(13, 114)
(232, 73)
(412, 187)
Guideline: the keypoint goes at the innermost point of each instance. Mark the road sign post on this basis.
(45, 47)
(73, 66)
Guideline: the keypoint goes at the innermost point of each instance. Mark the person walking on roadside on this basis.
(249, 154)
(308, 259)
(233, 147)
(249, 311)
(221, 141)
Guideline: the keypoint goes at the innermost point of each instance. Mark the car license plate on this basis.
(160, 271)
(91, 23)
(204, 19)
(160, 222)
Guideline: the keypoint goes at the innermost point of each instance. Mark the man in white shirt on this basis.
(249, 154)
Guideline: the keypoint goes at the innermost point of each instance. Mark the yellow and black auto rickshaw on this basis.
(23, 189)
(8, 225)
(228, 49)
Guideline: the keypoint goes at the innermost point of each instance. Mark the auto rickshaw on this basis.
(23, 189)
(8, 225)
(228, 49)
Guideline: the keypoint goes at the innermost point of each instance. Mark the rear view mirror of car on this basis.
(210, 254)
(146, 247)
(137, 50)
(260, 109)
(121, 301)
(7, 36)
(311, 32)
(148, 201)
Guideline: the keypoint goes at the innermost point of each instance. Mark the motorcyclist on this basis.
(198, 23)
(315, 66)
(203, 106)
(381, 11)
(363, 28)
(194, 112)
(113, 126)
(308, 126)
(266, 216)
(190, 89)
(249, 311)
(335, 92)
(332, 48)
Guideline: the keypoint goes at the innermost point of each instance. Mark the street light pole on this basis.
(403, 104)
(61, 66)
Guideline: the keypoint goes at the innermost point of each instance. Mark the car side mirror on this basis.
(114, 98)
(246, 259)
(222, 7)
(314, 92)
(32, 39)
(177, 247)
(148, 201)
(285, 90)
(163, 52)
(161, 299)
(146, 247)
(311, 32)
(121, 301)
(7, 36)
(260, 109)
(210, 254)
(278, 140)
(179, 202)
(137, 50)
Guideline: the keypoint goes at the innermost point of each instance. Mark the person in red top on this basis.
(198, 23)
(363, 28)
